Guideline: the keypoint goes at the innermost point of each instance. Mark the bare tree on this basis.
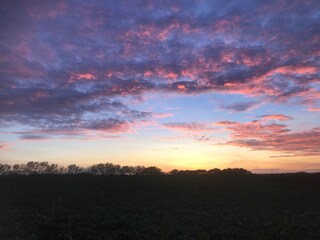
(74, 169)
(4, 169)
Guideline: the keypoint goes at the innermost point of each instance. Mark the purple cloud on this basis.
(240, 107)
(63, 60)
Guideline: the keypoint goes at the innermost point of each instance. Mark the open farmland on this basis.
(280, 206)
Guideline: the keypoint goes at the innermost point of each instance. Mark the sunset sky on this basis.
(174, 84)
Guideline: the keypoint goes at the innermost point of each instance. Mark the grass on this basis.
(284, 206)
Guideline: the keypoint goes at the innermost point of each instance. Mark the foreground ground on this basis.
(160, 207)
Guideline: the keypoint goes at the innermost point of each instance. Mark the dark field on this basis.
(160, 207)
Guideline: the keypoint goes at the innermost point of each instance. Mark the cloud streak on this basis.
(189, 126)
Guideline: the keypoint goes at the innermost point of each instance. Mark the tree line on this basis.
(32, 168)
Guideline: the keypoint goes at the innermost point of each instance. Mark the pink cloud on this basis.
(4, 146)
(277, 84)
(291, 70)
(313, 109)
(181, 87)
(256, 129)
(81, 76)
(87, 76)
(259, 135)
(310, 97)
(279, 117)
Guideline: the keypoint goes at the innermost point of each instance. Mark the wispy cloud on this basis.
(189, 126)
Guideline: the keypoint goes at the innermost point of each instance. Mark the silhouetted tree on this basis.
(61, 170)
(46, 168)
(4, 169)
(31, 168)
(116, 169)
(36, 168)
(190, 172)
(16, 169)
(200, 172)
(74, 169)
(105, 169)
(174, 172)
(139, 170)
(236, 171)
(52, 169)
(214, 171)
(97, 169)
(127, 170)
(151, 171)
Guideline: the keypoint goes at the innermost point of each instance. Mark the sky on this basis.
(182, 84)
